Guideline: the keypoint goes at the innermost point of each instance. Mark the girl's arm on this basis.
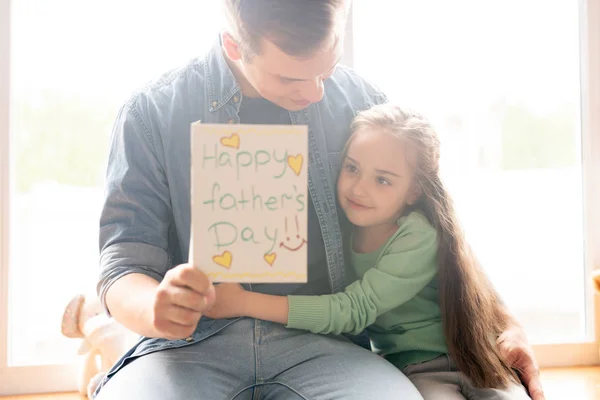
(407, 267)
(267, 307)
(233, 301)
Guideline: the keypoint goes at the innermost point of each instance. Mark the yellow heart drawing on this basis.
(295, 163)
(270, 258)
(231, 141)
(224, 260)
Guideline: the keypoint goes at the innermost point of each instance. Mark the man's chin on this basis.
(291, 105)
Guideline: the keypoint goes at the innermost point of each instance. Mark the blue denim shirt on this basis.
(145, 221)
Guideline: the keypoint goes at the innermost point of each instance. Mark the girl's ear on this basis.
(414, 193)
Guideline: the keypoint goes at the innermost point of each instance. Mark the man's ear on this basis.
(231, 47)
(414, 193)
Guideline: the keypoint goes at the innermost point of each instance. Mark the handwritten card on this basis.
(249, 202)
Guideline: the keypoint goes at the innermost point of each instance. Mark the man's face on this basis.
(291, 83)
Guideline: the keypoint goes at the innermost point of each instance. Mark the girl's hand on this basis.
(229, 302)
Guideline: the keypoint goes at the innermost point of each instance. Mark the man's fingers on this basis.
(530, 375)
(183, 316)
(187, 298)
(178, 332)
(509, 353)
(515, 351)
(536, 392)
(531, 380)
(190, 276)
(173, 330)
(211, 296)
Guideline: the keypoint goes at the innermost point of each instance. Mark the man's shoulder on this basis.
(172, 88)
(346, 83)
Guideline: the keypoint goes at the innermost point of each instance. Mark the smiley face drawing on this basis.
(289, 242)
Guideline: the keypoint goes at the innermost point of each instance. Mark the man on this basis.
(276, 64)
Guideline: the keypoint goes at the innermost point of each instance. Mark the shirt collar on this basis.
(221, 83)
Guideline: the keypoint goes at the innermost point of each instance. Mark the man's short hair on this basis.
(297, 27)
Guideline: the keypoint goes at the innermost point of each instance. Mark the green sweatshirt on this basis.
(395, 299)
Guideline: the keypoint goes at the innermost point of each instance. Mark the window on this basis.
(511, 86)
(72, 65)
(501, 81)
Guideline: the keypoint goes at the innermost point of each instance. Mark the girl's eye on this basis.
(351, 168)
(382, 181)
(285, 81)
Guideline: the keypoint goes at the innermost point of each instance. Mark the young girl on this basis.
(425, 302)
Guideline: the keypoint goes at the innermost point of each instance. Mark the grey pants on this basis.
(439, 379)
(260, 360)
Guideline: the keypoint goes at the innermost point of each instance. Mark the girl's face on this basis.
(377, 179)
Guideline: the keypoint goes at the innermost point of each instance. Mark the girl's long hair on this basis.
(473, 315)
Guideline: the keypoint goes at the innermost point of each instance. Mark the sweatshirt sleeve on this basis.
(408, 265)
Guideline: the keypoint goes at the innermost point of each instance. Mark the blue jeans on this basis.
(252, 359)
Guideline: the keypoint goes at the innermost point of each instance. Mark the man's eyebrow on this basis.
(301, 80)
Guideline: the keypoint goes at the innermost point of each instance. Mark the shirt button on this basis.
(236, 99)
(215, 104)
(189, 339)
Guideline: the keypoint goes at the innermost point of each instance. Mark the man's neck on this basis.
(247, 89)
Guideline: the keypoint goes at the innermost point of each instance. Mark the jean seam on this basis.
(284, 385)
(256, 392)
(255, 345)
(242, 390)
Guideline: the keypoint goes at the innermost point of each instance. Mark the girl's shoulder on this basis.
(414, 231)
(416, 221)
